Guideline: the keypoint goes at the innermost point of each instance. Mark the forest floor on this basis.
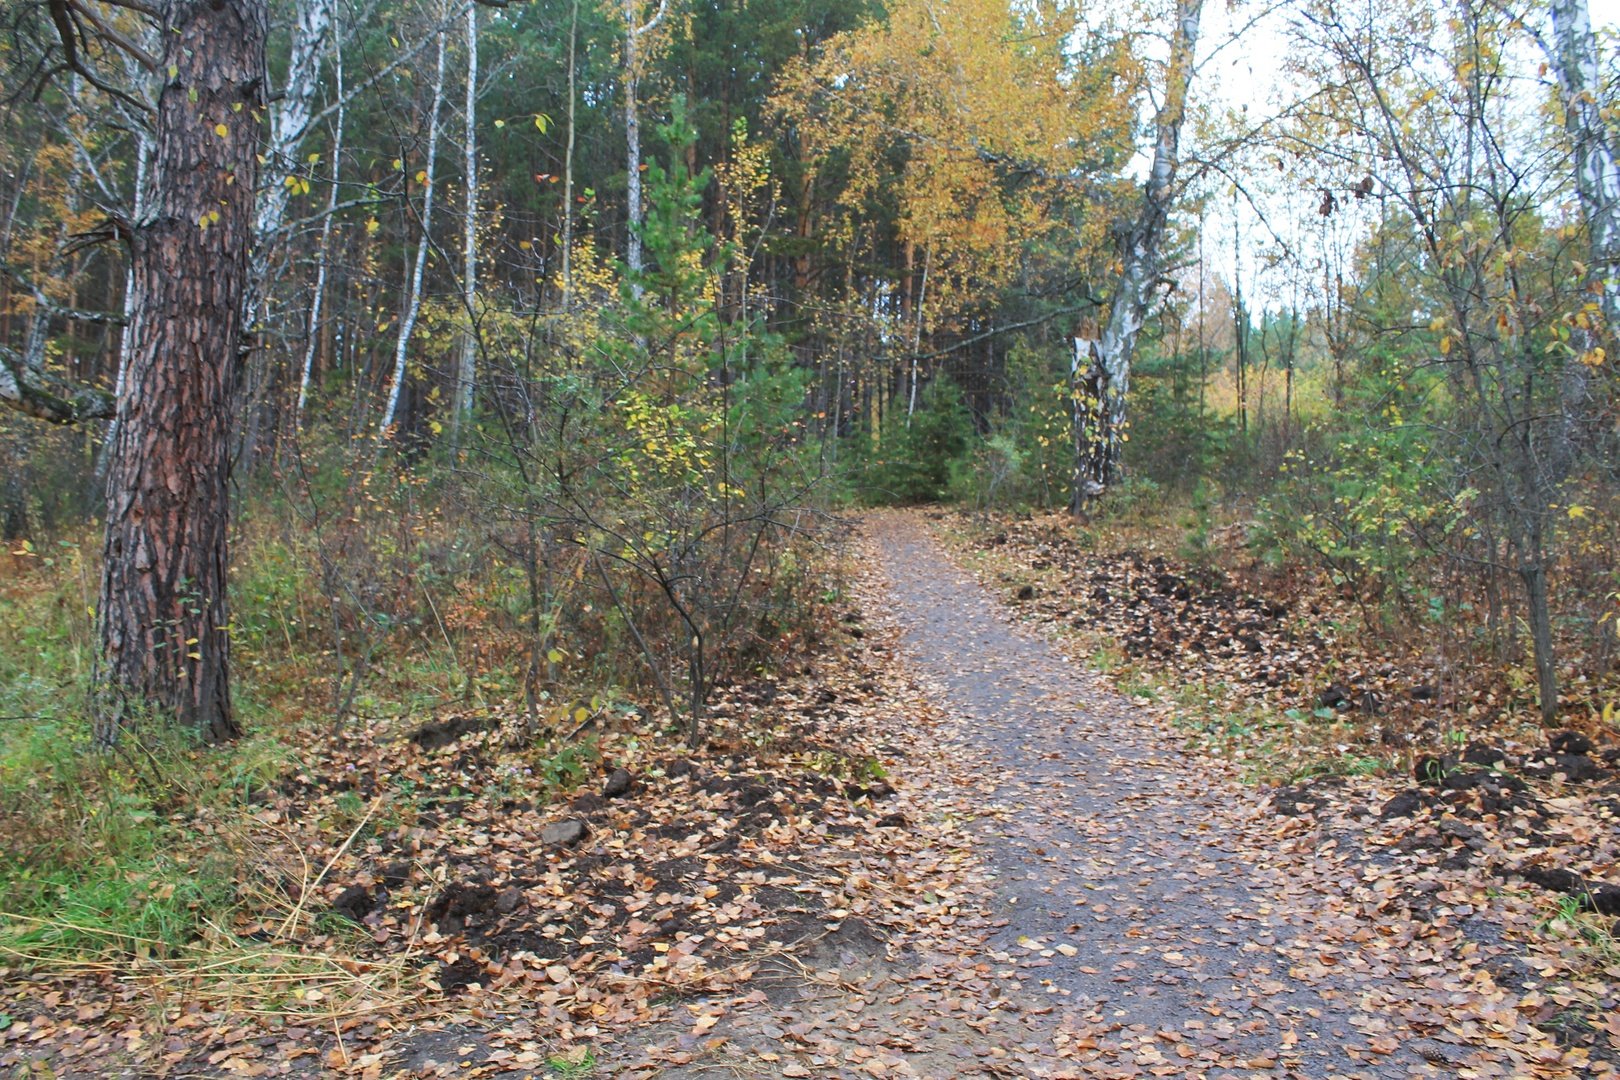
(943, 848)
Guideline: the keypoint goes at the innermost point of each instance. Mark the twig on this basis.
(298, 909)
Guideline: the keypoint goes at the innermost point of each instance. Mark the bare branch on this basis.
(107, 33)
(33, 393)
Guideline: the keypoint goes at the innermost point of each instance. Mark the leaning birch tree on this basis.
(324, 248)
(291, 118)
(1101, 367)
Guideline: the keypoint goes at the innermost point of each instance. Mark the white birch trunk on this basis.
(312, 31)
(413, 300)
(1597, 179)
(139, 203)
(916, 337)
(568, 164)
(143, 162)
(466, 371)
(1102, 385)
(632, 140)
(312, 331)
(632, 133)
(1574, 59)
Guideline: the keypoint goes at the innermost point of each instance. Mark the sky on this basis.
(1246, 72)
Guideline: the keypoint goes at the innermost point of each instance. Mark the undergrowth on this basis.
(1275, 737)
(104, 853)
(373, 612)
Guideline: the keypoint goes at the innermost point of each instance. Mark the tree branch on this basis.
(141, 56)
(21, 389)
(100, 318)
(67, 30)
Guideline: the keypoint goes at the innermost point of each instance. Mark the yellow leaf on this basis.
(1445, 346)
(221, 130)
(555, 656)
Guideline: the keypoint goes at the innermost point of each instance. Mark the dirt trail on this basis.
(1113, 906)
(1178, 911)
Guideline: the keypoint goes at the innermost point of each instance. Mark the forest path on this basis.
(1067, 891)
(1148, 884)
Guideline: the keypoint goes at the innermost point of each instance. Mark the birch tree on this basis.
(634, 58)
(413, 298)
(466, 371)
(568, 159)
(1574, 58)
(1101, 371)
(290, 121)
(323, 250)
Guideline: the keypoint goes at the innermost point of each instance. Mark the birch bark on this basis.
(1597, 179)
(1101, 369)
(466, 371)
(568, 164)
(289, 122)
(632, 132)
(317, 302)
(413, 300)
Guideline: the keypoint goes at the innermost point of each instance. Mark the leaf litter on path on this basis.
(939, 849)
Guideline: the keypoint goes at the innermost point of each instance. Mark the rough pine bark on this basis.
(164, 626)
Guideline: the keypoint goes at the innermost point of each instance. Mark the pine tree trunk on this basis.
(165, 644)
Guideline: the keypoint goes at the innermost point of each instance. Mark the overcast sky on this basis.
(1247, 73)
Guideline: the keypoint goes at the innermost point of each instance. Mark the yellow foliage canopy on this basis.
(982, 127)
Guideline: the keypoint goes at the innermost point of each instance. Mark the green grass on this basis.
(578, 1062)
(100, 853)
